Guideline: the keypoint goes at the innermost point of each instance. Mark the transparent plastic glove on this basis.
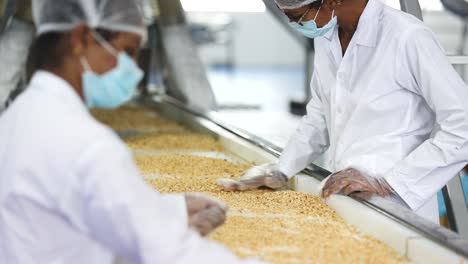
(352, 182)
(267, 175)
(205, 214)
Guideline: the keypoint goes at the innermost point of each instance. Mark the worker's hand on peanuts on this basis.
(267, 175)
(205, 214)
(352, 182)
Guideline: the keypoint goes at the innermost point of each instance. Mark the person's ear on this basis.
(332, 4)
(80, 39)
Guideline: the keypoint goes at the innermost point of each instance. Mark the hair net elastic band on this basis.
(54, 28)
(141, 31)
(285, 5)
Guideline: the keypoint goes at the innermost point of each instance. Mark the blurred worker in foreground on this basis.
(70, 192)
(386, 103)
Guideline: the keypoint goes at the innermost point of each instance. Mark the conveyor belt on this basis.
(402, 230)
(432, 232)
(275, 226)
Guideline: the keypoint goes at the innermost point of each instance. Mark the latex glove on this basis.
(352, 182)
(205, 214)
(267, 175)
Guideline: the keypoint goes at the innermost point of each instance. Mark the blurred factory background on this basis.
(238, 67)
(254, 63)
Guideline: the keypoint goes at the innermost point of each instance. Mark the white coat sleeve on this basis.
(310, 138)
(113, 205)
(432, 164)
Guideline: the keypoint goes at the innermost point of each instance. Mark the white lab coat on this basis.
(376, 107)
(70, 192)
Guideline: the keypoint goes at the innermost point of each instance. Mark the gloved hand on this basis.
(352, 182)
(267, 175)
(205, 214)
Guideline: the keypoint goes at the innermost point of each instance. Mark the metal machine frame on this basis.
(188, 80)
(411, 7)
(9, 8)
(457, 208)
(460, 8)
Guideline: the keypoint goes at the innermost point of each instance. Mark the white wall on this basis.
(259, 40)
(447, 27)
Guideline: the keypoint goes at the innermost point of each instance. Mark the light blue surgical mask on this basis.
(115, 87)
(310, 29)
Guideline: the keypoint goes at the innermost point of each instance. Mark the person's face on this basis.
(101, 60)
(310, 11)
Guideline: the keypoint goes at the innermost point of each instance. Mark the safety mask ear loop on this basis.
(318, 11)
(104, 43)
(85, 64)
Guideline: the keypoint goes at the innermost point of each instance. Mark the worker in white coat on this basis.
(69, 190)
(386, 103)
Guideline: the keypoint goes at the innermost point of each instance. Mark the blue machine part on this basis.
(440, 197)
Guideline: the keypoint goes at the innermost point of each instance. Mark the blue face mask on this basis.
(115, 87)
(310, 29)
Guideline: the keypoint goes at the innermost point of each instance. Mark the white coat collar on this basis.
(367, 30)
(53, 84)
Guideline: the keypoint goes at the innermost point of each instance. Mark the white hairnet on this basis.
(114, 15)
(293, 4)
